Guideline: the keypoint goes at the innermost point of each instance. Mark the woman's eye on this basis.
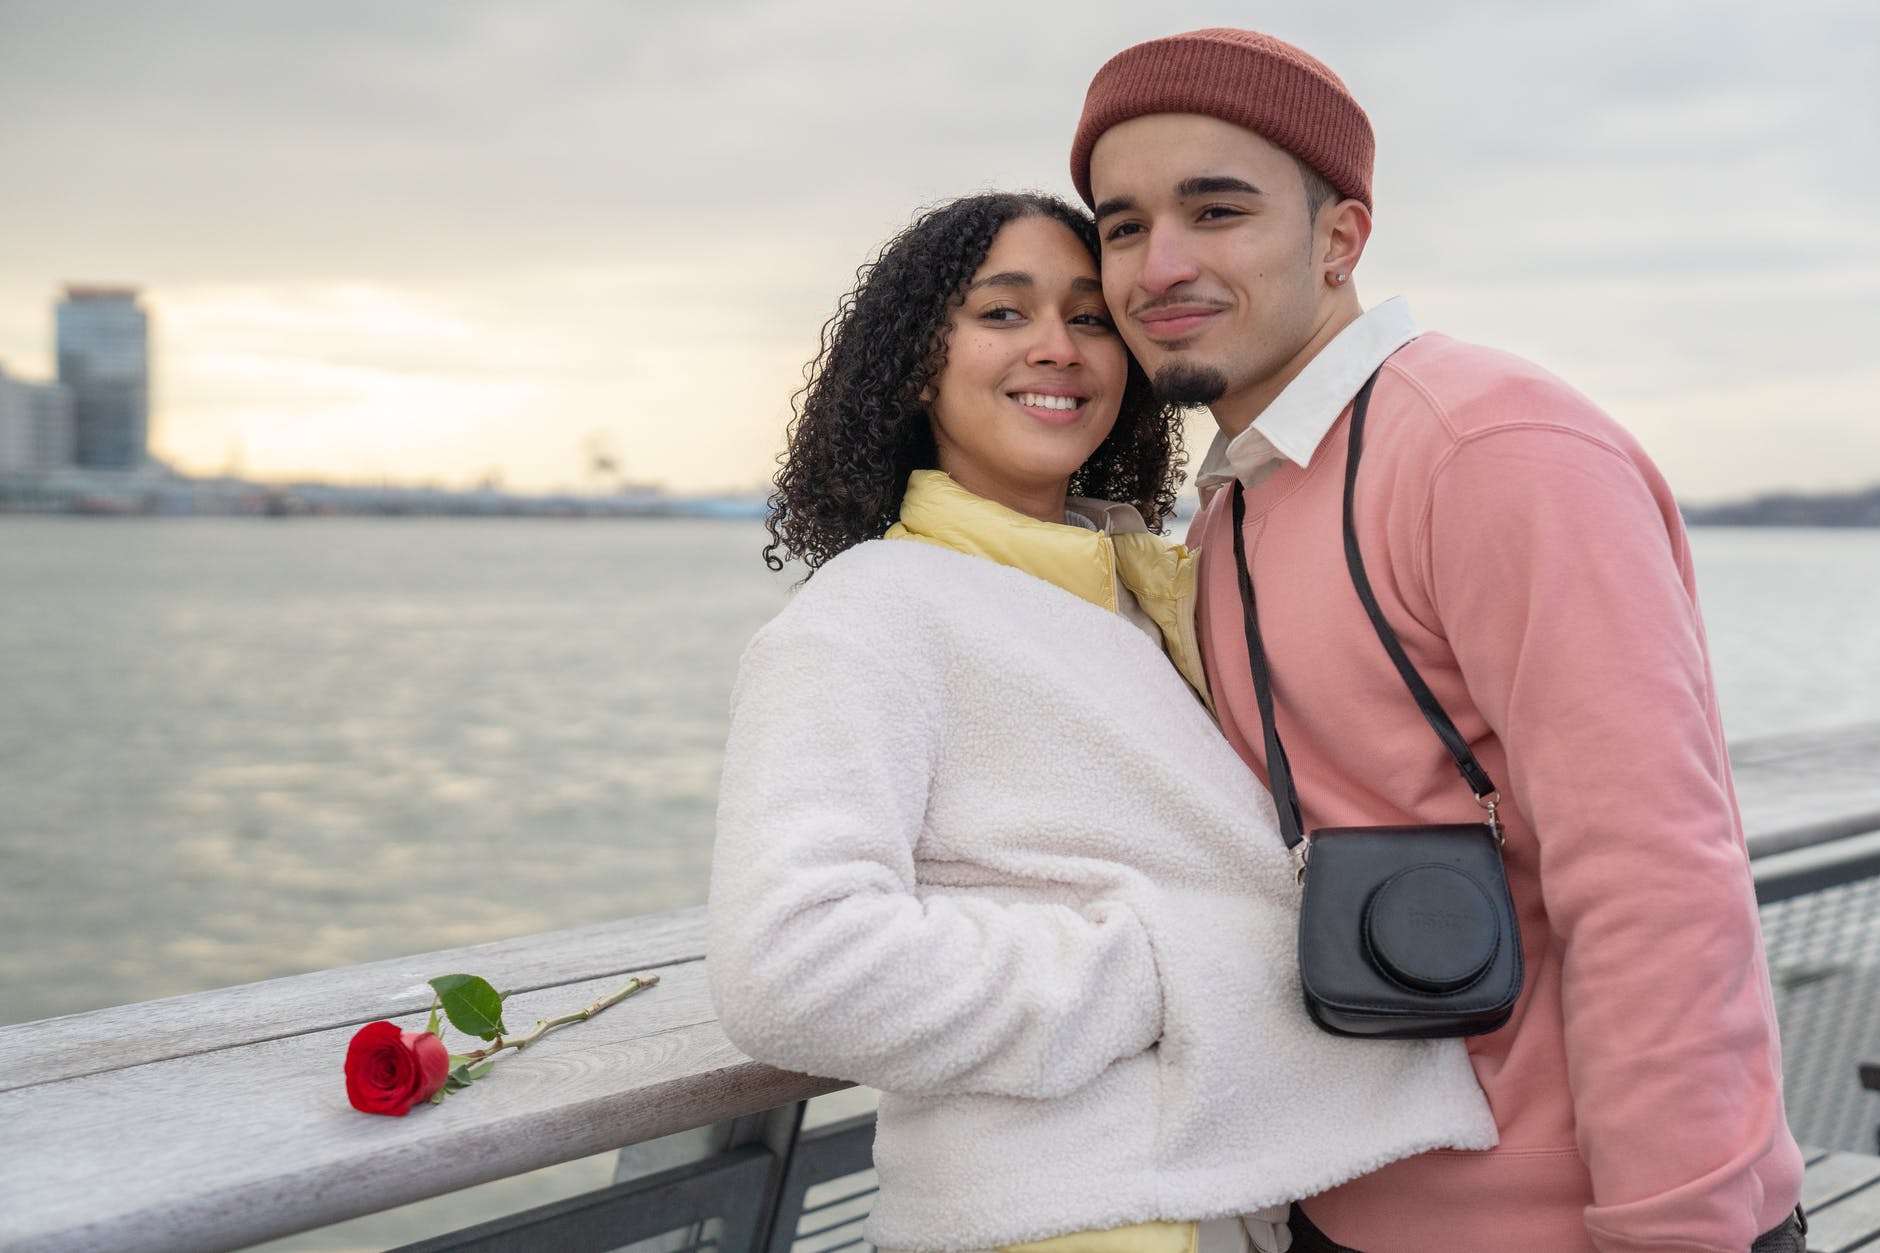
(1093, 319)
(1001, 313)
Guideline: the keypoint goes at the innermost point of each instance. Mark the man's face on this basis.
(1208, 256)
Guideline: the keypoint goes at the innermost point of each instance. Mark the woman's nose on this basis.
(1054, 344)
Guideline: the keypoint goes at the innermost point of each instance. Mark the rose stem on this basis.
(544, 1026)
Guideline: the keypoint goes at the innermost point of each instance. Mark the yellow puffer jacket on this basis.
(1159, 572)
(1161, 575)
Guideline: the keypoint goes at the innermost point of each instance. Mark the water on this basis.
(234, 749)
(1794, 624)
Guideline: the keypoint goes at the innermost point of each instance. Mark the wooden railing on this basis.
(218, 1120)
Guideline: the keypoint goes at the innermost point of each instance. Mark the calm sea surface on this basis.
(236, 749)
(233, 749)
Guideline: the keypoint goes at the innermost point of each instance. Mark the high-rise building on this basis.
(35, 425)
(104, 358)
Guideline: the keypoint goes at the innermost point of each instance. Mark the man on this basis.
(1531, 561)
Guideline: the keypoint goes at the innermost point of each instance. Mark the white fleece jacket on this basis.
(979, 846)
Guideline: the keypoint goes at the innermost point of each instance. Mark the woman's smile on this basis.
(1056, 406)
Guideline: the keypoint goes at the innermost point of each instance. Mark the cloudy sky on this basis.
(427, 239)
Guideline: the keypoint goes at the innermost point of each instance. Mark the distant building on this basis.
(36, 430)
(104, 358)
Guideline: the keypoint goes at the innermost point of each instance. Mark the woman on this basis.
(979, 843)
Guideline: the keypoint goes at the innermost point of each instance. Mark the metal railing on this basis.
(808, 1194)
(1820, 909)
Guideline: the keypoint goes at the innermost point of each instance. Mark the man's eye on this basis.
(1122, 230)
(1216, 212)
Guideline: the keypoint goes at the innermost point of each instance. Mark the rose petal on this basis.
(432, 1063)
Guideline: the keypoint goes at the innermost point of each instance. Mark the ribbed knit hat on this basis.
(1286, 96)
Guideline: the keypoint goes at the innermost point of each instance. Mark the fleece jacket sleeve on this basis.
(1553, 562)
(824, 956)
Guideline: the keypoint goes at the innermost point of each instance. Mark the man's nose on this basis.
(1166, 263)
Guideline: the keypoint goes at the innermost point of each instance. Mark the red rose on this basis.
(388, 1070)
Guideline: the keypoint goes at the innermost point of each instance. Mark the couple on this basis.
(989, 839)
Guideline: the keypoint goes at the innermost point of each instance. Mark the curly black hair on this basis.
(860, 428)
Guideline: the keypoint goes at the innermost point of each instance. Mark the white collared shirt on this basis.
(1297, 421)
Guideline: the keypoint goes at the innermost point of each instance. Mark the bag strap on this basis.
(1285, 792)
(1285, 795)
(1471, 770)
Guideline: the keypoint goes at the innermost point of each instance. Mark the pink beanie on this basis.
(1286, 96)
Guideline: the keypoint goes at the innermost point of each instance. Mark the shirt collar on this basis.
(1106, 517)
(1297, 421)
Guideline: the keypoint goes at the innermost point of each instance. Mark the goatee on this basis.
(1187, 385)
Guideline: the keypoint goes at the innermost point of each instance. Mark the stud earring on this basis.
(1338, 279)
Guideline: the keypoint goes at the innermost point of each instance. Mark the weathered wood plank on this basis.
(1853, 1222)
(1815, 867)
(1835, 1176)
(220, 1150)
(1799, 788)
(131, 1035)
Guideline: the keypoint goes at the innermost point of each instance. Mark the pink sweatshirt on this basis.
(1533, 563)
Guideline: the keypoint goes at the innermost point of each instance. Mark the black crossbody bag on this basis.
(1404, 932)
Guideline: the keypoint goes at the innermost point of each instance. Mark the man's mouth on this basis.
(1174, 322)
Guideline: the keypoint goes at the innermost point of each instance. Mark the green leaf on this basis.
(431, 1026)
(477, 1072)
(471, 1004)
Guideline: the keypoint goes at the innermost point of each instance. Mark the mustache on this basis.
(1172, 300)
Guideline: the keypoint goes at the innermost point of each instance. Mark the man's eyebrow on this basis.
(1007, 278)
(1214, 185)
(1086, 285)
(1200, 185)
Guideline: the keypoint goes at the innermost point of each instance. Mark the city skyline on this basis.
(429, 241)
